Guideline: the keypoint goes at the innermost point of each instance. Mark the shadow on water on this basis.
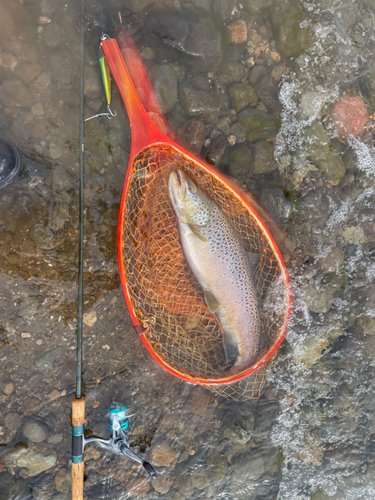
(250, 86)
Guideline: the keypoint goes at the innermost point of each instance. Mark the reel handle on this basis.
(150, 470)
(78, 420)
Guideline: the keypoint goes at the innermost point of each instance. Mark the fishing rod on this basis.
(118, 414)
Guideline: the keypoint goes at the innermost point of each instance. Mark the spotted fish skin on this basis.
(222, 267)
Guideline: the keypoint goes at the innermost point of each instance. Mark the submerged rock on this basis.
(35, 431)
(263, 158)
(242, 96)
(37, 459)
(322, 155)
(278, 205)
(14, 93)
(291, 39)
(238, 423)
(216, 150)
(191, 33)
(163, 80)
(239, 162)
(257, 124)
(200, 104)
(192, 134)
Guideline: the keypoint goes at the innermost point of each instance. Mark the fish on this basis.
(221, 265)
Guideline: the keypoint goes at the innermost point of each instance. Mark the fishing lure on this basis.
(106, 79)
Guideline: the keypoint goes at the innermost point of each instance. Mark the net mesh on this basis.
(165, 295)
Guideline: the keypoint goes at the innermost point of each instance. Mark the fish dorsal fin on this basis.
(253, 259)
(212, 303)
(197, 233)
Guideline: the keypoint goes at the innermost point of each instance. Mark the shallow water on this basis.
(311, 433)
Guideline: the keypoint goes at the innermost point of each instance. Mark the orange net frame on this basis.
(165, 296)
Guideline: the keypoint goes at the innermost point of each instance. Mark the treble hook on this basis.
(109, 114)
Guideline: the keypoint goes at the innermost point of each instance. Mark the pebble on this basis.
(138, 487)
(162, 483)
(239, 132)
(90, 318)
(7, 387)
(242, 95)
(63, 480)
(238, 31)
(55, 151)
(164, 83)
(45, 362)
(263, 158)
(192, 135)
(27, 72)
(38, 109)
(10, 457)
(14, 93)
(216, 149)
(162, 454)
(239, 162)
(318, 300)
(257, 124)
(53, 35)
(30, 405)
(13, 421)
(41, 234)
(35, 431)
(350, 115)
(44, 490)
(37, 459)
(8, 61)
(42, 20)
(231, 72)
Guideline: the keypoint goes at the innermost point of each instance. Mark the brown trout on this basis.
(222, 267)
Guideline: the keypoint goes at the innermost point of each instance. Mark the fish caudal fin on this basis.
(230, 349)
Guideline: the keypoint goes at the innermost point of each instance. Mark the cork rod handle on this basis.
(78, 419)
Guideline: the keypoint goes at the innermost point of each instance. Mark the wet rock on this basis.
(238, 423)
(27, 72)
(55, 151)
(238, 31)
(322, 155)
(239, 162)
(318, 300)
(7, 387)
(30, 405)
(278, 205)
(291, 39)
(350, 115)
(366, 325)
(12, 489)
(138, 487)
(163, 80)
(192, 135)
(200, 104)
(53, 35)
(222, 9)
(90, 318)
(193, 34)
(353, 235)
(231, 72)
(311, 104)
(216, 150)
(8, 61)
(44, 490)
(13, 421)
(35, 431)
(262, 81)
(37, 459)
(162, 454)
(10, 457)
(242, 96)
(258, 6)
(45, 362)
(14, 93)
(200, 479)
(257, 124)
(239, 132)
(41, 234)
(278, 72)
(263, 158)
(163, 483)
(200, 82)
(63, 480)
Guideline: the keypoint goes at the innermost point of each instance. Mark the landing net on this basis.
(165, 296)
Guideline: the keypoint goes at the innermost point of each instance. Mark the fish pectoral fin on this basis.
(197, 234)
(212, 303)
(230, 349)
(253, 259)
